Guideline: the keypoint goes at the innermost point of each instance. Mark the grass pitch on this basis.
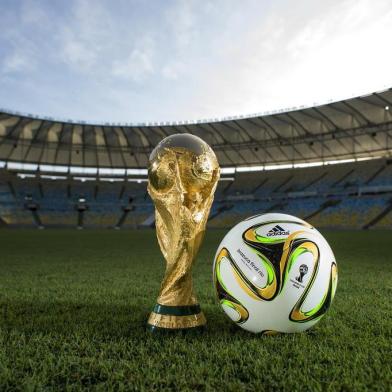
(73, 307)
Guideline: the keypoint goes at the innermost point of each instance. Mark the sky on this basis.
(134, 61)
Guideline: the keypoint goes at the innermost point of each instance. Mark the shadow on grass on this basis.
(112, 321)
(65, 318)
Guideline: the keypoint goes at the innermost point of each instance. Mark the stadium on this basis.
(329, 164)
(81, 257)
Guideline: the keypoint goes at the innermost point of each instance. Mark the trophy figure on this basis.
(182, 177)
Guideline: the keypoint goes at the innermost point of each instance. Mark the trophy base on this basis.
(175, 318)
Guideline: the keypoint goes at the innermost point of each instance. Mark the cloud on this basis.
(21, 56)
(181, 21)
(135, 61)
(135, 67)
(85, 36)
(173, 69)
(298, 55)
(139, 64)
(77, 53)
(32, 13)
(17, 62)
(100, 43)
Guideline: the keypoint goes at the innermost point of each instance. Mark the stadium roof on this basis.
(357, 128)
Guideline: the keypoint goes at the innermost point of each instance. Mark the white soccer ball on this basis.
(275, 273)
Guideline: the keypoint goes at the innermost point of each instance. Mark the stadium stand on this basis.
(343, 196)
(330, 164)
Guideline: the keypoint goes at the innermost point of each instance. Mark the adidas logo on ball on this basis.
(277, 230)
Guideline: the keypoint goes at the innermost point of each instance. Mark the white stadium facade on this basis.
(330, 164)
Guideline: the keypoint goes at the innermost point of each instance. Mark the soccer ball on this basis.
(274, 273)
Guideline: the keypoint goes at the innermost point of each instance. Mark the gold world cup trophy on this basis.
(182, 177)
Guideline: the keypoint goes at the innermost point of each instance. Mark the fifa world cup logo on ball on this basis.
(303, 270)
(182, 177)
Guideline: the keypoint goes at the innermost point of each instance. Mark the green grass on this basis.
(73, 308)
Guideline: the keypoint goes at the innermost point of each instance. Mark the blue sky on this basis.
(134, 60)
